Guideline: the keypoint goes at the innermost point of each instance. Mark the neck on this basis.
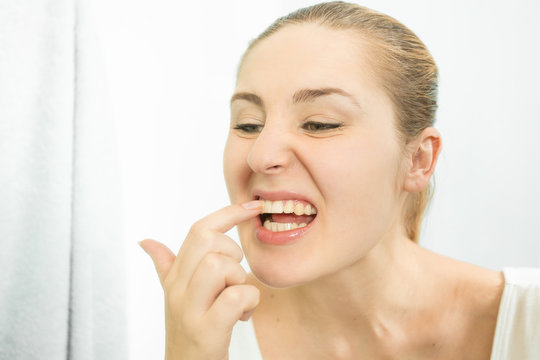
(372, 294)
(369, 307)
(374, 305)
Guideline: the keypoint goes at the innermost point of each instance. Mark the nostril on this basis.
(274, 168)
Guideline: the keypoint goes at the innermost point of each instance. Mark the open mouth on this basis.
(284, 215)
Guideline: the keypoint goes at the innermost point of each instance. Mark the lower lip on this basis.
(280, 237)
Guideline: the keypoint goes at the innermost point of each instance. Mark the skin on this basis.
(354, 287)
(204, 285)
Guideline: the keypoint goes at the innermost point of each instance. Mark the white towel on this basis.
(61, 254)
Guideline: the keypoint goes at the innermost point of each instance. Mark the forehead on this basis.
(308, 55)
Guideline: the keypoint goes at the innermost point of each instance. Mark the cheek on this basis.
(359, 186)
(235, 168)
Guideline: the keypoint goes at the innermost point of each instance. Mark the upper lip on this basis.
(275, 195)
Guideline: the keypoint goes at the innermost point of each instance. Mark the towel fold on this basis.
(61, 254)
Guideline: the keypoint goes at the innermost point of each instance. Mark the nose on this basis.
(272, 152)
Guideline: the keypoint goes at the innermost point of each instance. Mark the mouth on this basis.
(286, 215)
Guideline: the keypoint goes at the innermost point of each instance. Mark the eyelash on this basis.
(311, 126)
(315, 126)
(249, 128)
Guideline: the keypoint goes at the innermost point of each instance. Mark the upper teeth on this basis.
(288, 207)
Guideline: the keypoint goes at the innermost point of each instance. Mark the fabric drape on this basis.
(61, 253)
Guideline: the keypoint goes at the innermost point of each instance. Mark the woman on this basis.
(327, 163)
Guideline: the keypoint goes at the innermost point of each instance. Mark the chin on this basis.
(276, 279)
(282, 266)
(280, 270)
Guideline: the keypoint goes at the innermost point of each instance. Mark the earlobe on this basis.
(424, 153)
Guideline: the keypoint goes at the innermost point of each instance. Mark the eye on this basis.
(249, 128)
(315, 126)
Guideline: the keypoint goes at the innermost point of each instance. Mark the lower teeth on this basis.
(275, 227)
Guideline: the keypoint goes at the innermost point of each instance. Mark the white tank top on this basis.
(517, 335)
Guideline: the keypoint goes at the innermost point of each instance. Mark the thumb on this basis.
(161, 255)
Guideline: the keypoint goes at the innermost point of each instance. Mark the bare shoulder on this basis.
(474, 303)
(473, 284)
(479, 290)
(473, 291)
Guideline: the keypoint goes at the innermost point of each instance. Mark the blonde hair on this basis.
(408, 73)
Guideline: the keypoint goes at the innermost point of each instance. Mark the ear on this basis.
(424, 152)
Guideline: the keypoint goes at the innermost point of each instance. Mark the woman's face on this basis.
(311, 124)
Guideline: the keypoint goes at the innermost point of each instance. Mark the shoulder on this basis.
(517, 334)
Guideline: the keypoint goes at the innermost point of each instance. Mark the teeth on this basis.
(275, 227)
(277, 207)
(267, 208)
(288, 207)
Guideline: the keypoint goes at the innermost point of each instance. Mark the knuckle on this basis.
(232, 295)
(212, 262)
(206, 240)
(241, 273)
(201, 235)
(196, 227)
(198, 230)
(236, 251)
(254, 293)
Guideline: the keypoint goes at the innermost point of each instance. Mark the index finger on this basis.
(211, 229)
(226, 218)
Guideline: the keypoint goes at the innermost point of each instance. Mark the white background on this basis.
(171, 66)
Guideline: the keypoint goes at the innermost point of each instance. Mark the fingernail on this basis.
(140, 245)
(251, 205)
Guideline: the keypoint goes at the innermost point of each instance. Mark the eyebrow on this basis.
(309, 95)
(248, 97)
(300, 96)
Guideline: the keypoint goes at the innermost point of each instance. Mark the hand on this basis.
(204, 286)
